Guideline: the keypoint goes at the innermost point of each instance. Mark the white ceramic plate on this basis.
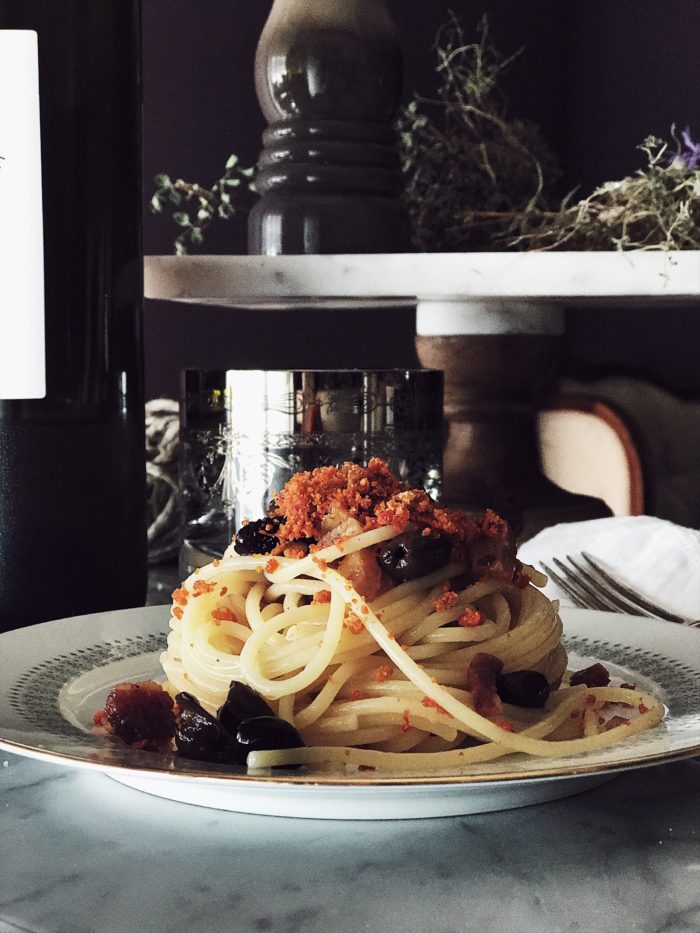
(54, 676)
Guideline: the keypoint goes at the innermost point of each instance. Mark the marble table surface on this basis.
(80, 852)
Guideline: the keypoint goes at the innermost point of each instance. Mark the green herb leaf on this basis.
(213, 202)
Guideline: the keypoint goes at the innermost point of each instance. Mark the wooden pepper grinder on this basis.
(328, 78)
(500, 364)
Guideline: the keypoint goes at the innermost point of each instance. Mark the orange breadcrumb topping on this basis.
(432, 704)
(406, 724)
(271, 565)
(308, 497)
(177, 612)
(353, 624)
(470, 618)
(375, 498)
(356, 695)
(492, 524)
(445, 602)
(223, 591)
(201, 587)
(323, 596)
(223, 614)
(181, 595)
(383, 673)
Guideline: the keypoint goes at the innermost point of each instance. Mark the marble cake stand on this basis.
(491, 321)
(531, 279)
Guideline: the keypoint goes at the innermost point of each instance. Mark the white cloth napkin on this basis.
(655, 557)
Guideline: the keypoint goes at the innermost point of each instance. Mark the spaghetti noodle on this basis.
(381, 666)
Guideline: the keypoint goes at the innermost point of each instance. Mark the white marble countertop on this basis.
(82, 853)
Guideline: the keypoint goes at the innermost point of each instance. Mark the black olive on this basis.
(200, 736)
(258, 537)
(241, 703)
(523, 688)
(265, 732)
(411, 555)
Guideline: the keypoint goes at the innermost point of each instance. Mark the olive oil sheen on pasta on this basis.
(72, 481)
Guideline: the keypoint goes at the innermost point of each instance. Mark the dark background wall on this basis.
(597, 75)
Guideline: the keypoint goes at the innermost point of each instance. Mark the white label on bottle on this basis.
(22, 351)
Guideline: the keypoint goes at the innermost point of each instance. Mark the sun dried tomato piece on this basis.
(616, 721)
(482, 674)
(141, 714)
(362, 570)
(594, 676)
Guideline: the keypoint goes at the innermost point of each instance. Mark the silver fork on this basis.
(592, 586)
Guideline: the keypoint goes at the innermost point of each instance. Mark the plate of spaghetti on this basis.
(358, 652)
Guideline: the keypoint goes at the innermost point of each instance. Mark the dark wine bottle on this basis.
(72, 451)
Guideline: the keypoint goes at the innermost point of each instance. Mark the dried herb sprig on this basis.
(657, 208)
(470, 172)
(220, 201)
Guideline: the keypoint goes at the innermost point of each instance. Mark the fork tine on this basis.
(637, 601)
(594, 587)
(606, 593)
(570, 587)
(594, 598)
